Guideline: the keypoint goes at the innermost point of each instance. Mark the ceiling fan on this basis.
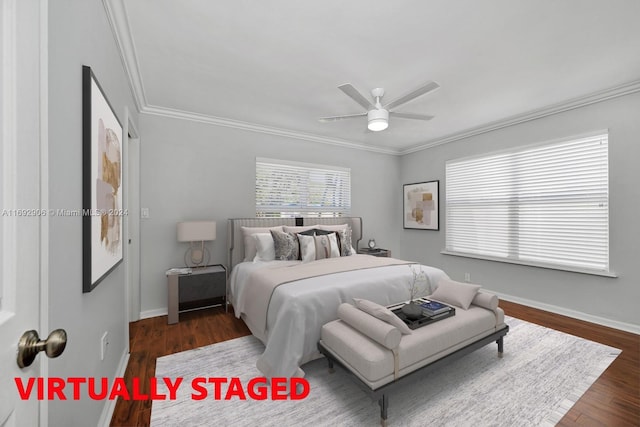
(378, 114)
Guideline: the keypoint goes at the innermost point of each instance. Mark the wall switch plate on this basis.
(104, 343)
(144, 213)
(467, 277)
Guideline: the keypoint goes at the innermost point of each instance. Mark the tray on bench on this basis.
(422, 321)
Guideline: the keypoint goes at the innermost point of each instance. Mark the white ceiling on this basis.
(274, 66)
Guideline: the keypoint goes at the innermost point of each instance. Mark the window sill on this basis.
(533, 264)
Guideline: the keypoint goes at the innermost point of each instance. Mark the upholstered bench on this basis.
(382, 357)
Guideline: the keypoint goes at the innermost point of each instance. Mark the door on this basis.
(23, 256)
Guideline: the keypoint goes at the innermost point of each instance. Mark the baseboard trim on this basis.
(110, 405)
(153, 313)
(627, 327)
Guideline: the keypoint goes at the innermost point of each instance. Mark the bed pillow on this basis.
(344, 234)
(265, 247)
(307, 247)
(250, 242)
(286, 245)
(319, 232)
(308, 232)
(382, 313)
(298, 229)
(313, 247)
(326, 246)
(455, 293)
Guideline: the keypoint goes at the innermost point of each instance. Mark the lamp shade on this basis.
(196, 231)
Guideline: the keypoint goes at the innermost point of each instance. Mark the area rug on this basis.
(542, 374)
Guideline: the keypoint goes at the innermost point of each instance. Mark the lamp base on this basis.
(197, 257)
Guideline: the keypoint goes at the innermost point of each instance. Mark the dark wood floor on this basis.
(613, 400)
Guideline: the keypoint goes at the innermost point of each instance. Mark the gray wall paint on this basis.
(79, 34)
(613, 299)
(193, 170)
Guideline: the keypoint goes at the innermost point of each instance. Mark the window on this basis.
(545, 205)
(294, 189)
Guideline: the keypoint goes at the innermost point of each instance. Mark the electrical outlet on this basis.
(104, 343)
(467, 277)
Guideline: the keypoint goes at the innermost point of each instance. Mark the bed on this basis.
(285, 303)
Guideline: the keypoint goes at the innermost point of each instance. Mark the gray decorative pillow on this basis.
(345, 240)
(286, 245)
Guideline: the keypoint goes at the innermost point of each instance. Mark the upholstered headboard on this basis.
(235, 240)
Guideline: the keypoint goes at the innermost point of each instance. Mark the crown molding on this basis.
(253, 127)
(117, 16)
(571, 104)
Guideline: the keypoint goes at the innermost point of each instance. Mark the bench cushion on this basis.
(365, 357)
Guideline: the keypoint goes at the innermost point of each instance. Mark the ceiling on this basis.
(274, 66)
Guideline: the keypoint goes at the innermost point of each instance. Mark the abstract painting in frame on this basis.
(421, 205)
(102, 209)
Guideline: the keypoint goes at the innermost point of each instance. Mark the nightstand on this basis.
(202, 288)
(375, 252)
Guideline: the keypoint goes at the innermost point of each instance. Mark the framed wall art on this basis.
(102, 210)
(421, 205)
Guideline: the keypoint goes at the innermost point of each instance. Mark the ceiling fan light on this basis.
(377, 125)
(378, 120)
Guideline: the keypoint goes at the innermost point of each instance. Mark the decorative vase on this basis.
(412, 311)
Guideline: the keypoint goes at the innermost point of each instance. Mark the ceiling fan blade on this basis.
(336, 118)
(353, 93)
(425, 88)
(411, 116)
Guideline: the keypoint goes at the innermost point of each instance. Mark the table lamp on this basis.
(196, 233)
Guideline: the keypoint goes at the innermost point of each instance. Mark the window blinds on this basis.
(547, 204)
(289, 189)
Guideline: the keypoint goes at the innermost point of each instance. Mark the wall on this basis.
(611, 301)
(193, 170)
(79, 34)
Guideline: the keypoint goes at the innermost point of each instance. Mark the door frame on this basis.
(43, 406)
(132, 266)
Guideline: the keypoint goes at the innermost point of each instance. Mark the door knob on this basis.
(30, 345)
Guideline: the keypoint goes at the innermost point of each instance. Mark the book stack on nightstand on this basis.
(375, 252)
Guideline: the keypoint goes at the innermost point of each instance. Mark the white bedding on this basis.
(298, 310)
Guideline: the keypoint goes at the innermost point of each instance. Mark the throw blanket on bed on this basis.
(265, 281)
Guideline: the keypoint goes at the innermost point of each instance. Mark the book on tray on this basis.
(432, 308)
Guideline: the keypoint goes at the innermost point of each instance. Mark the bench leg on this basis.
(331, 369)
(384, 403)
(500, 343)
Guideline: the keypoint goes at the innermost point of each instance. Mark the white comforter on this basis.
(298, 310)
